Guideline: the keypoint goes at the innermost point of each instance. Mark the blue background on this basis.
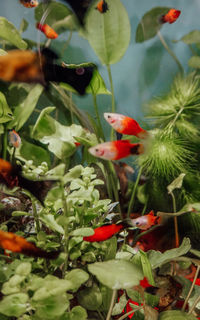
(146, 70)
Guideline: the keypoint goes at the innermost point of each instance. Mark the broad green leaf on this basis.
(90, 298)
(14, 305)
(96, 86)
(150, 299)
(10, 33)
(50, 221)
(30, 151)
(191, 37)
(195, 252)
(175, 315)
(82, 232)
(24, 269)
(146, 266)
(77, 277)
(51, 307)
(13, 284)
(194, 62)
(117, 274)
(5, 112)
(111, 249)
(77, 313)
(58, 17)
(150, 24)
(23, 111)
(73, 173)
(89, 257)
(119, 306)
(109, 33)
(59, 138)
(157, 258)
(176, 184)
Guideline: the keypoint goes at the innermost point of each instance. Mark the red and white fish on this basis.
(125, 125)
(171, 16)
(115, 150)
(102, 6)
(47, 30)
(15, 243)
(104, 232)
(147, 221)
(29, 3)
(14, 139)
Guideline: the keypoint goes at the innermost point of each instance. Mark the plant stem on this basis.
(194, 304)
(35, 214)
(170, 51)
(97, 115)
(177, 242)
(131, 202)
(66, 237)
(113, 96)
(127, 314)
(176, 117)
(112, 302)
(114, 183)
(5, 143)
(192, 286)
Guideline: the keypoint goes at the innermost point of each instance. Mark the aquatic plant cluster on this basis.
(83, 234)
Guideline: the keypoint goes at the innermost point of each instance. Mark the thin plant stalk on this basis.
(177, 242)
(191, 288)
(194, 304)
(35, 214)
(132, 200)
(66, 236)
(162, 40)
(128, 313)
(97, 115)
(114, 183)
(5, 143)
(112, 302)
(113, 96)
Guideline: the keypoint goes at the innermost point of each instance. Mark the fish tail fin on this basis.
(137, 149)
(37, 252)
(143, 134)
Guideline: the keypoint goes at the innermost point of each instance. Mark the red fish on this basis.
(14, 139)
(125, 125)
(102, 6)
(115, 150)
(147, 221)
(29, 3)
(14, 243)
(171, 16)
(104, 232)
(47, 30)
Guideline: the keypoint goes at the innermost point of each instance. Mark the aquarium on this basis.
(99, 160)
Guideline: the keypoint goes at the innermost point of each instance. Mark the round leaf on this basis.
(90, 298)
(175, 315)
(109, 33)
(117, 274)
(14, 305)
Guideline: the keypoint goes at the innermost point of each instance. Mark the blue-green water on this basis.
(146, 70)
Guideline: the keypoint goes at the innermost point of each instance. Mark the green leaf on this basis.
(175, 315)
(82, 232)
(194, 62)
(5, 112)
(30, 151)
(176, 184)
(119, 306)
(20, 213)
(146, 266)
(2, 52)
(186, 286)
(23, 111)
(195, 252)
(14, 305)
(51, 307)
(73, 173)
(151, 300)
(191, 37)
(157, 258)
(23, 26)
(58, 137)
(13, 285)
(90, 298)
(109, 33)
(24, 269)
(77, 313)
(10, 33)
(50, 221)
(96, 86)
(111, 249)
(58, 14)
(77, 277)
(150, 24)
(117, 274)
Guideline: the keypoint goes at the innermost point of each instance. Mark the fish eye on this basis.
(137, 223)
(80, 71)
(109, 117)
(97, 150)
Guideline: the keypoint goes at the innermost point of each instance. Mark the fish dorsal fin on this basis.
(151, 213)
